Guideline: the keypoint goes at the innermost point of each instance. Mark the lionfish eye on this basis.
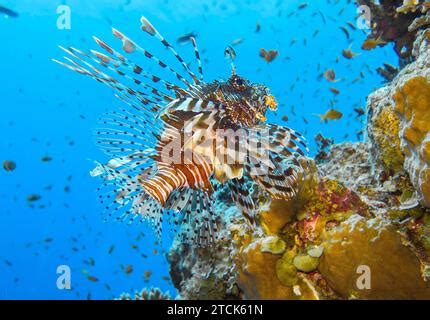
(237, 82)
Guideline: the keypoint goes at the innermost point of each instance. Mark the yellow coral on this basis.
(285, 270)
(386, 133)
(273, 245)
(395, 272)
(266, 276)
(413, 106)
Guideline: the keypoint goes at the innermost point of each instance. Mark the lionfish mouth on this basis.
(139, 183)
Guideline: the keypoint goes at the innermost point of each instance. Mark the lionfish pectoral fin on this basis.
(278, 168)
(126, 201)
(194, 216)
(241, 195)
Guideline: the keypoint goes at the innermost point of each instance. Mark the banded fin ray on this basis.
(195, 217)
(126, 201)
(123, 91)
(137, 69)
(277, 168)
(150, 29)
(241, 195)
(143, 96)
(130, 47)
(197, 54)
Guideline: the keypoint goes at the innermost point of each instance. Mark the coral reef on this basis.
(361, 206)
(396, 21)
(412, 102)
(207, 273)
(145, 294)
(395, 270)
(399, 123)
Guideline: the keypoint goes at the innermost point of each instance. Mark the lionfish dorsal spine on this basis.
(150, 29)
(198, 59)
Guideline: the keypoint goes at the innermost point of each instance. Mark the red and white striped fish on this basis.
(172, 140)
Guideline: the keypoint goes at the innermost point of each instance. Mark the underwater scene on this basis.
(215, 149)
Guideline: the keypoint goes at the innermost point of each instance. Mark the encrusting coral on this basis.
(396, 21)
(412, 102)
(362, 206)
(399, 123)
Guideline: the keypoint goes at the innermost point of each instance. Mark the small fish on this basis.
(330, 76)
(46, 158)
(334, 91)
(348, 54)
(230, 53)
(269, 56)
(184, 39)
(111, 249)
(372, 43)
(360, 111)
(237, 41)
(33, 197)
(257, 27)
(92, 278)
(9, 165)
(331, 114)
(8, 263)
(147, 274)
(285, 118)
(128, 269)
(8, 12)
(351, 25)
(322, 16)
(346, 32)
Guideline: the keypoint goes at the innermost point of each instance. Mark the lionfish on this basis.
(171, 142)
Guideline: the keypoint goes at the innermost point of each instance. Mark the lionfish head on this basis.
(246, 103)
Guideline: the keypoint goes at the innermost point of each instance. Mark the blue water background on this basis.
(48, 110)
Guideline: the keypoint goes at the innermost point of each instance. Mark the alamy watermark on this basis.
(364, 281)
(64, 281)
(64, 19)
(364, 18)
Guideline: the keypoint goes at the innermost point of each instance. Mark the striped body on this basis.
(170, 178)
